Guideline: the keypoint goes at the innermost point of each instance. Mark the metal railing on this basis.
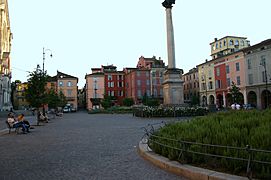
(184, 147)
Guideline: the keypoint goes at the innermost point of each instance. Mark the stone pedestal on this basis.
(173, 87)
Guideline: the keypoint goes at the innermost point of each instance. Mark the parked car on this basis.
(249, 106)
(73, 109)
(66, 109)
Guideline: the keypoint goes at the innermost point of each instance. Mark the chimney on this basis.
(215, 39)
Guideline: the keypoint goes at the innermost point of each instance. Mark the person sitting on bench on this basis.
(41, 117)
(21, 118)
(16, 124)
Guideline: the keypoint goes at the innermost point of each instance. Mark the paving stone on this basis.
(79, 146)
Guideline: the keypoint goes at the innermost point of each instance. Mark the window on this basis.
(210, 85)
(147, 82)
(250, 79)
(138, 83)
(155, 92)
(69, 83)
(60, 83)
(231, 42)
(238, 80)
(148, 92)
(120, 77)
(236, 43)
(218, 84)
(109, 77)
(139, 93)
(112, 84)
(120, 84)
(203, 85)
(69, 92)
(220, 44)
(112, 93)
(237, 65)
(242, 43)
(225, 42)
(210, 73)
(249, 64)
(263, 61)
(161, 74)
(218, 71)
(228, 82)
(138, 73)
(216, 45)
(108, 84)
(120, 93)
(161, 92)
(227, 69)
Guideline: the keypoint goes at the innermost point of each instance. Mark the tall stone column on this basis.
(170, 39)
(173, 84)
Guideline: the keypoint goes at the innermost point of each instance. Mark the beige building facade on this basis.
(5, 45)
(207, 83)
(258, 74)
(227, 45)
(67, 84)
(95, 89)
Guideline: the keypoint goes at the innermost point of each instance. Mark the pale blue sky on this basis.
(85, 33)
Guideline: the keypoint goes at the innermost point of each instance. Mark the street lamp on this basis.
(263, 63)
(43, 57)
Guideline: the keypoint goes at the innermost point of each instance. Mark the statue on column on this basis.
(168, 3)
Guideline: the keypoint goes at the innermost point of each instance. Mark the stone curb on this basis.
(3, 131)
(187, 171)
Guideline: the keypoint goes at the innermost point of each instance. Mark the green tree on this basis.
(35, 93)
(53, 99)
(236, 96)
(106, 102)
(13, 91)
(195, 100)
(62, 99)
(128, 101)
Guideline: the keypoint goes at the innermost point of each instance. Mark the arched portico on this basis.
(211, 99)
(252, 98)
(219, 100)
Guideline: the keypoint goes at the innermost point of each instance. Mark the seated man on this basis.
(41, 117)
(15, 124)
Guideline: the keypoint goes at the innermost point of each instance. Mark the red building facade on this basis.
(220, 81)
(114, 83)
(137, 83)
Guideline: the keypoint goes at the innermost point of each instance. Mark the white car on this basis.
(66, 110)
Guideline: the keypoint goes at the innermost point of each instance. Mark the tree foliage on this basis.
(236, 96)
(128, 102)
(36, 93)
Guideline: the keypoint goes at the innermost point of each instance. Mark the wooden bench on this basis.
(17, 129)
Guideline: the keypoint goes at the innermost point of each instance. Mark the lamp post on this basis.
(43, 57)
(263, 63)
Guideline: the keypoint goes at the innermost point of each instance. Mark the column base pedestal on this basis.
(173, 87)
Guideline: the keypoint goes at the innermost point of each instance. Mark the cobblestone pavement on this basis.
(79, 146)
